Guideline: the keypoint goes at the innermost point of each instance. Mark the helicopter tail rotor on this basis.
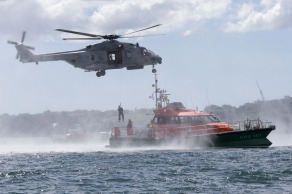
(16, 44)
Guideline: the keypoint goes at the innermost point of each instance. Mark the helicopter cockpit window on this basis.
(144, 51)
(128, 54)
(151, 52)
(112, 57)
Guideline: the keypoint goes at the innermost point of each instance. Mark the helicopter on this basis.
(109, 54)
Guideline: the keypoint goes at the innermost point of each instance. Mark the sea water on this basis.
(28, 166)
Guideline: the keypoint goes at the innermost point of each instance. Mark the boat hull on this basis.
(235, 139)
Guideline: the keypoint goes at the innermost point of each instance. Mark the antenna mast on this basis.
(261, 92)
(156, 90)
(161, 100)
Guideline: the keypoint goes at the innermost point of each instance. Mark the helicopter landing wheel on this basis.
(102, 72)
(153, 70)
(98, 74)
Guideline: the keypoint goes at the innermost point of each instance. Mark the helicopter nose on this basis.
(158, 59)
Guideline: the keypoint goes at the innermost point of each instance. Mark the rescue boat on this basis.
(176, 125)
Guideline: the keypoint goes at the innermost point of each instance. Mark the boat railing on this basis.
(141, 132)
(249, 125)
(162, 132)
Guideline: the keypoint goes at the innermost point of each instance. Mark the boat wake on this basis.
(281, 139)
(282, 136)
(43, 144)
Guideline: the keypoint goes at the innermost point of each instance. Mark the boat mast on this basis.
(161, 100)
(156, 90)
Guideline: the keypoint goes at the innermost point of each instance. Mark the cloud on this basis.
(115, 16)
(267, 15)
(41, 17)
(184, 16)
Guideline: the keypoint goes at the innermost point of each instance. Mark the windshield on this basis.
(151, 52)
(145, 52)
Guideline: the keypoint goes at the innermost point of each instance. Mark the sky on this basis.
(213, 52)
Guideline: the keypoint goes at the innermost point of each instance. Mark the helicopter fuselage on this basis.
(110, 54)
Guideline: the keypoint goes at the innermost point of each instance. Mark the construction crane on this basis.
(261, 92)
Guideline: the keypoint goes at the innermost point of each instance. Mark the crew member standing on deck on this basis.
(121, 113)
(129, 128)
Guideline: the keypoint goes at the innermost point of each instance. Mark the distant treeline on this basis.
(48, 123)
(44, 124)
(279, 112)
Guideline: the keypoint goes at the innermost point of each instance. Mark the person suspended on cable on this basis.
(121, 113)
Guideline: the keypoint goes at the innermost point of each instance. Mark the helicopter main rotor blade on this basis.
(141, 36)
(107, 37)
(23, 36)
(144, 29)
(80, 33)
(97, 38)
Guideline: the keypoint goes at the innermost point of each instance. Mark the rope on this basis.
(120, 86)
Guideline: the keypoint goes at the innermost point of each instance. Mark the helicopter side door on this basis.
(114, 58)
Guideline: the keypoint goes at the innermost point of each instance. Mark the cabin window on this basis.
(183, 119)
(186, 119)
(198, 119)
(213, 118)
(206, 118)
(174, 119)
(112, 57)
(128, 54)
(165, 120)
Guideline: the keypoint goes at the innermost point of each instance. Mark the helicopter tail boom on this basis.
(25, 55)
